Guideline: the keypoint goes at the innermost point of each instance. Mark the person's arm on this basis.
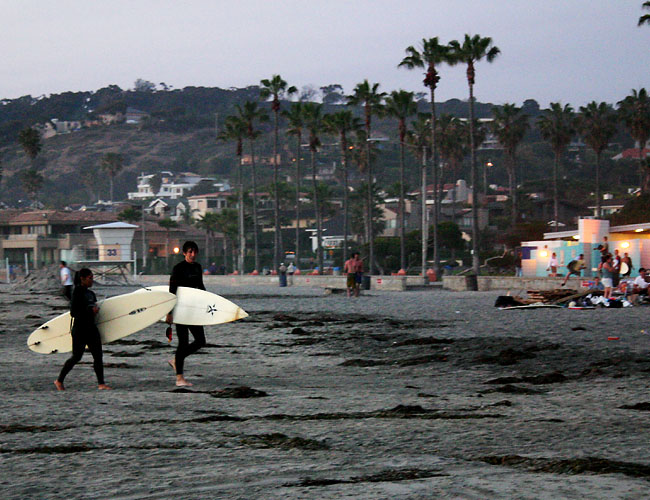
(201, 285)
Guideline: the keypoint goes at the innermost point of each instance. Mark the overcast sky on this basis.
(572, 51)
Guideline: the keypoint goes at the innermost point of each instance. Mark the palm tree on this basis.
(129, 215)
(32, 181)
(314, 124)
(167, 224)
(208, 222)
(645, 18)
(509, 127)
(557, 126)
(400, 105)
(431, 54)
(597, 124)
(418, 139)
(295, 117)
(276, 88)
(235, 130)
(635, 113)
(250, 115)
(470, 52)
(112, 163)
(453, 139)
(227, 223)
(370, 99)
(342, 123)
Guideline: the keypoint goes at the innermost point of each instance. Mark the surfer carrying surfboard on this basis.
(187, 273)
(83, 309)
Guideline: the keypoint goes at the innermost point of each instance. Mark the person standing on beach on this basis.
(607, 269)
(552, 265)
(518, 270)
(66, 280)
(350, 269)
(187, 273)
(628, 262)
(83, 309)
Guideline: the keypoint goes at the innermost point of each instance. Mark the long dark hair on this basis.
(81, 273)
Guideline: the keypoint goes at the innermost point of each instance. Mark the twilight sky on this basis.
(552, 50)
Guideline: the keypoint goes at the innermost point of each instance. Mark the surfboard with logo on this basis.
(118, 317)
(199, 307)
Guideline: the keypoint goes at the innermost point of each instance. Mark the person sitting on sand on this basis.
(186, 273)
(640, 286)
(83, 309)
(575, 267)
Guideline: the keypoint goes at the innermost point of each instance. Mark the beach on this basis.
(416, 394)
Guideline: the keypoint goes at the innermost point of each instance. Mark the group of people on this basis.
(353, 268)
(84, 308)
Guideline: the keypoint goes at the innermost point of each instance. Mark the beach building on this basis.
(568, 245)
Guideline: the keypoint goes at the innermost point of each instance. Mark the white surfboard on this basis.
(198, 307)
(624, 268)
(117, 317)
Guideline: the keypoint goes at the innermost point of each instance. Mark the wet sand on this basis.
(424, 394)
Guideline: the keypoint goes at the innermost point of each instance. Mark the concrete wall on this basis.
(486, 283)
(388, 283)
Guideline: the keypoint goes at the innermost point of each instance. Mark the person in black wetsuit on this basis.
(187, 273)
(83, 309)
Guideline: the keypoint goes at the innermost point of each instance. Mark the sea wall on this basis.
(486, 283)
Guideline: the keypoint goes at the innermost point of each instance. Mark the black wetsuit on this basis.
(84, 333)
(190, 276)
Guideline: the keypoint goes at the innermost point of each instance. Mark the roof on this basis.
(112, 225)
(55, 217)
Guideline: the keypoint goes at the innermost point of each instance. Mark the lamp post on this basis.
(485, 168)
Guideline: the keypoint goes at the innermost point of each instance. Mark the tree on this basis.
(141, 85)
(32, 183)
(129, 215)
(296, 118)
(430, 55)
(359, 212)
(167, 224)
(453, 141)
(314, 124)
(634, 111)
(276, 88)
(470, 52)
(645, 18)
(208, 222)
(155, 182)
(597, 124)
(367, 96)
(30, 140)
(509, 127)
(400, 104)
(341, 124)
(235, 130)
(227, 223)
(332, 94)
(557, 126)
(112, 163)
(251, 115)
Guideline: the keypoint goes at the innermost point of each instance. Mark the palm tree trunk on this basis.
(319, 223)
(512, 188)
(369, 235)
(597, 185)
(402, 245)
(276, 195)
(555, 196)
(436, 200)
(298, 173)
(424, 229)
(255, 239)
(475, 230)
(242, 233)
(344, 160)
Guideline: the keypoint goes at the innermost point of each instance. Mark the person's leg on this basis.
(78, 348)
(182, 332)
(95, 348)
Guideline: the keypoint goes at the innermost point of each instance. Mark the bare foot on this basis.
(59, 385)
(104, 387)
(181, 382)
(172, 363)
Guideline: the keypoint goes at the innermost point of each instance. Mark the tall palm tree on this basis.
(32, 181)
(473, 49)
(509, 127)
(431, 54)
(645, 18)
(112, 163)
(418, 138)
(276, 88)
(453, 141)
(235, 130)
(342, 123)
(251, 115)
(208, 222)
(167, 224)
(314, 124)
(227, 223)
(597, 124)
(400, 104)
(557, 126)
(635, 113)
(296, 118)
(367, 96)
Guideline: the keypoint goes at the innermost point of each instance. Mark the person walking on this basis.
(66, 280)
(187, 273)
(83, 309)
(575, 267)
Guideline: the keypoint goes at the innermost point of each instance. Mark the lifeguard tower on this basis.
(114, 259)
